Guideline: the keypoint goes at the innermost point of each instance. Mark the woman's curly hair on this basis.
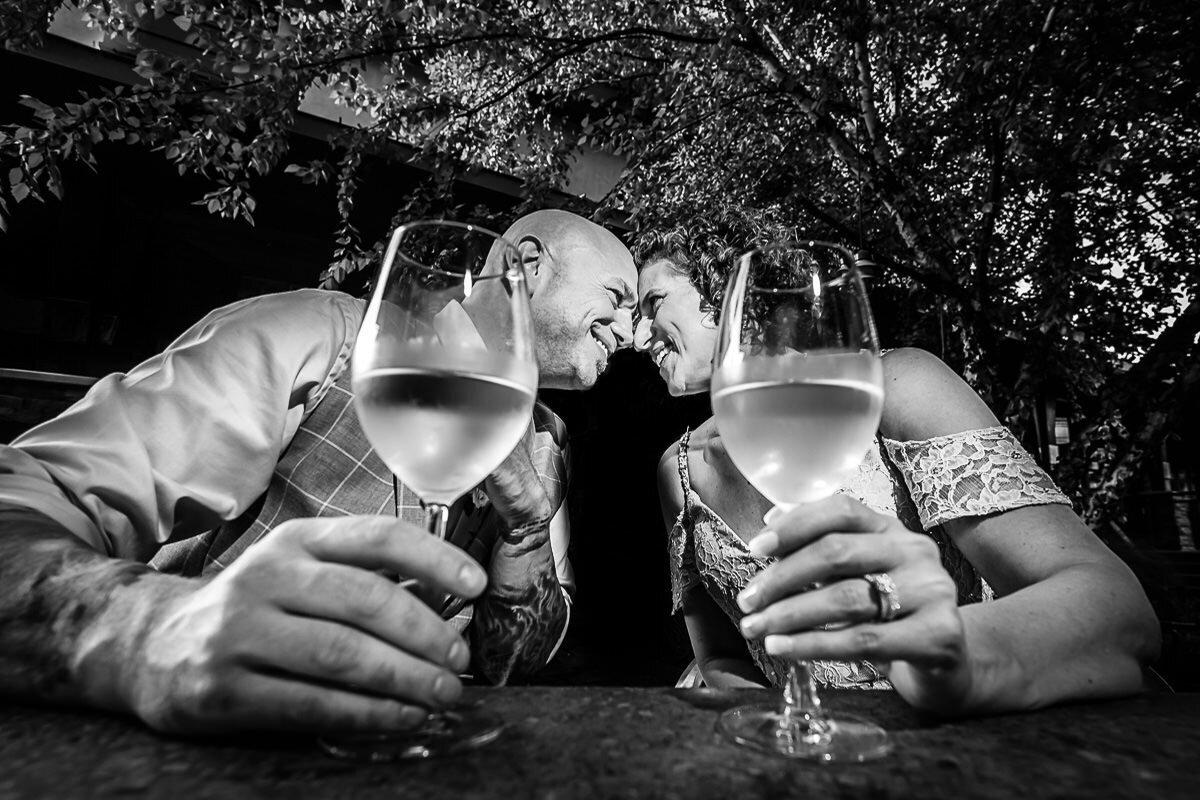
(705, 247)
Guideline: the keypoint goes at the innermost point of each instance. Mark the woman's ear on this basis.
(532, 253)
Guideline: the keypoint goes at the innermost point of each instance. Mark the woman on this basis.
(1000, 598)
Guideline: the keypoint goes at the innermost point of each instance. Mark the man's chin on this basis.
(578, 381)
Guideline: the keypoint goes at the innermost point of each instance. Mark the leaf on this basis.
(35, 104)
(54, 182)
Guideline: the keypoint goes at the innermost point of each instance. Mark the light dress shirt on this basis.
(190, 438)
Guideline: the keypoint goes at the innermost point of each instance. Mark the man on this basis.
(241, 434)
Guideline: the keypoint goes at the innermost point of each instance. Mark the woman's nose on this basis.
(642, 334)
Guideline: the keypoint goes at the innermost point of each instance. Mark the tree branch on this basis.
(866, 79)
(998, 149)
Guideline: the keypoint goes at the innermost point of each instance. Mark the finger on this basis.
(848, 601)
(390, 544)
(374, 604)
(833, 556)
(844, 601)
(932, 637)
(793, 528)
(257, 701)
(803, 524)
(326, 652)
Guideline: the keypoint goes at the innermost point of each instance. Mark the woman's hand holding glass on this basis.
(797, 394)
(835, 542)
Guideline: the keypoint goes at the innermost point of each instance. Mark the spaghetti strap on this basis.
(685, 478)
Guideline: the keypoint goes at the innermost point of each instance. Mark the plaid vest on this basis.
(330, 470)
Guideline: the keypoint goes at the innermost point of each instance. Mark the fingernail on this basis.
(412, 716)
(746, 598)
(458, 657)
(765, 544)
(772, 515)
(777, 645)
(473, 578)
(446, 690)
(752, 624)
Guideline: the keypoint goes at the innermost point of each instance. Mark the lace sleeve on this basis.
(971, 473)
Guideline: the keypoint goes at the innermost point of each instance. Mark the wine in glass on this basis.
(444, 375)
(797, 393)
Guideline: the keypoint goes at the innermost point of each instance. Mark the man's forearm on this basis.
(522, 614)
(70, 618)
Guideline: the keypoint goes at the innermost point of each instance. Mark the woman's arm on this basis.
(1070, 621)
(720, 652)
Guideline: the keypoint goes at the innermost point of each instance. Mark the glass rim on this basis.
(515, 269)
(790, 244)
(848, 272)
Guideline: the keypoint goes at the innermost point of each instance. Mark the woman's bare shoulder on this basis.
(924, 398)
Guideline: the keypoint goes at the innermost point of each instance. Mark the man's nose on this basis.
(642, 335)
(622, 328)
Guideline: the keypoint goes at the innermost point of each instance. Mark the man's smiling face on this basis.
(583, 309)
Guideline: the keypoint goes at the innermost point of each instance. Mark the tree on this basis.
(1025, 174)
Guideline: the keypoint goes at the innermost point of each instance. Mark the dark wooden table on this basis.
(577, 742)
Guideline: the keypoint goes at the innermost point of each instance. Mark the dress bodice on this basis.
(922, 483)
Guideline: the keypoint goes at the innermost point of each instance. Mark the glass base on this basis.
(443, 733)
(842, 739)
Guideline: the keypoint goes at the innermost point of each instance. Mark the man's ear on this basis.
(532, 253)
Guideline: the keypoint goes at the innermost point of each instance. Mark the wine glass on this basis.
(444, 375)
(797, 393)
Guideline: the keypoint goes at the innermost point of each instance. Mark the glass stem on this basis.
(436, 515)
(802, 720)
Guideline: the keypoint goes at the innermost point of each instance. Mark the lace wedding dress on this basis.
(922, 483)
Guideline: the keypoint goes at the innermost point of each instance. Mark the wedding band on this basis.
(883, 588)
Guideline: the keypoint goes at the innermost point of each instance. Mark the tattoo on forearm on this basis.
(517, 627)
(51, 589)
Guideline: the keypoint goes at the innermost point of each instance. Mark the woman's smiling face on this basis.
(675, 330)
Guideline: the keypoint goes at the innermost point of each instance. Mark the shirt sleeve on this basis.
(190, 437)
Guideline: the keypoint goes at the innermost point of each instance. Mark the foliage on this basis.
(1024, 173)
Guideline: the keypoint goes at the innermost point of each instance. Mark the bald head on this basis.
(560, 231)
(584, 289)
